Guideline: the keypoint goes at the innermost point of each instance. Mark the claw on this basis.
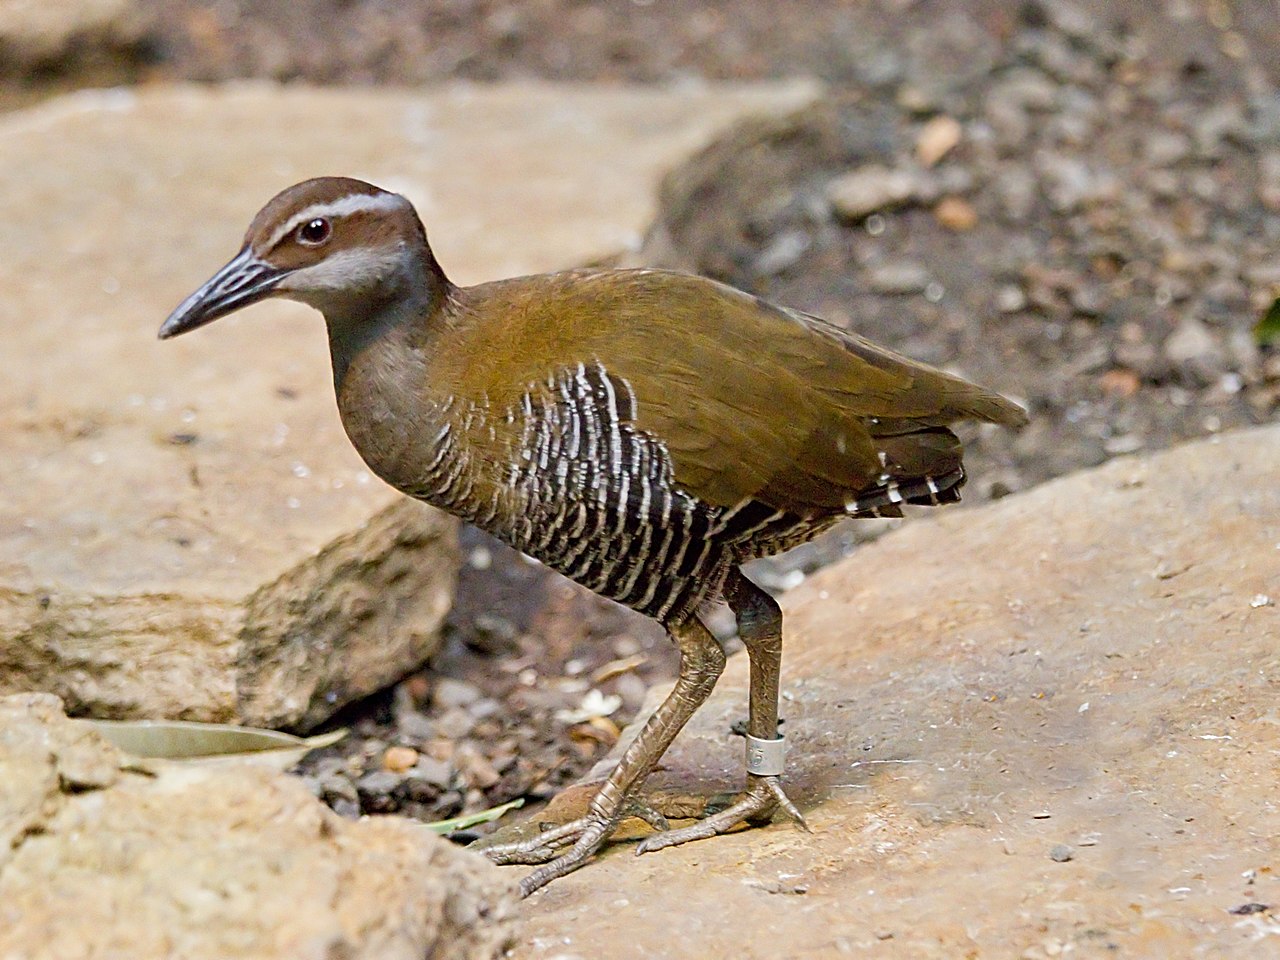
(641, 809)
(763, 796)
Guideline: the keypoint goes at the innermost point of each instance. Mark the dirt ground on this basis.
(1097, 242)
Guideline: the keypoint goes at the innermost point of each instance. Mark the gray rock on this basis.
(101, 858)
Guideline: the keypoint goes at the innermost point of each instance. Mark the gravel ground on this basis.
(1076, 203)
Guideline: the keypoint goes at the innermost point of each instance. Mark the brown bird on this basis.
(642, 432)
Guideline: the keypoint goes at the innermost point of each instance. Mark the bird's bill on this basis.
(245, 280)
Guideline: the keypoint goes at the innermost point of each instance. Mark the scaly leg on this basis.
(760, 626)
(701, 662)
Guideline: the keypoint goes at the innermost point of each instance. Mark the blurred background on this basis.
(1076, 203)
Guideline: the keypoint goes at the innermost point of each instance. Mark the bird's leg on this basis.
(760, 626)
(701, 662)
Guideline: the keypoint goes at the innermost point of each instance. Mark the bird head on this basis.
(337, 244)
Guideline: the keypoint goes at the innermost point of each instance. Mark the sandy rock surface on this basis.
(102, 859)
(1046, 727)
(184, 529)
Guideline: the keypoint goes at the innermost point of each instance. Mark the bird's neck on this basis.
(395, 316)
(383, 347)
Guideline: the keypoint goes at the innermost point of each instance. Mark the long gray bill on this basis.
(244, 280)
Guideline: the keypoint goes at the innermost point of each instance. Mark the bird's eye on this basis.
(314, 232)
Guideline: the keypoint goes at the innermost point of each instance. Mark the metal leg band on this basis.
(766, 758)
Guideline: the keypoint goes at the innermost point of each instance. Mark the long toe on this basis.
(763, 796)
(588, 842)
(539, 848)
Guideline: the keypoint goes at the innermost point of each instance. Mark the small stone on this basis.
(1269, 180)
(862, 192)
(378, 783)
(1164, 148)
(956, 213)
(1087, 299)
(1193, 346)
(1122, 444)
(937, 138)
(453, 693)
(454, 724)
(415, 726)
(898, 278)
(1119, 383)
(1018, 191)
(1246, 909)
(785, 250)
(428, 770)
(399, 759)
(476, 768)
(337, 787)
(1071, 183)
(1062, 853)
(1010, 298)
(493, 635)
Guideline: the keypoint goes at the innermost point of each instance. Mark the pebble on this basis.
(378, 783)
(434, 773)
(1071, 182)
(399, 759)
(454, 724)
(856, 195)
(1164, 148)
(937, 138)
(475, 767)
(449, 692)
(416, 726)
(1194, 349)
(493, 635)
(1010, 299)
(785, 251)
(1018, 191)
(956, 213)
(1062, 853)
(898, 278)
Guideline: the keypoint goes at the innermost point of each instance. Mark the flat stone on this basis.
(233, 862)
(184, 529)
(1085, 666)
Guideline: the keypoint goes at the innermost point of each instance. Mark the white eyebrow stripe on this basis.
(343, 206)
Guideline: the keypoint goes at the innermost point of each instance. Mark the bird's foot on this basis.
(763, 796)
(583, 837)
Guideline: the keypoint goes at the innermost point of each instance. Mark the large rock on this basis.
(34, 33)
(184, 529)
(1046, 727)
(100, 858)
